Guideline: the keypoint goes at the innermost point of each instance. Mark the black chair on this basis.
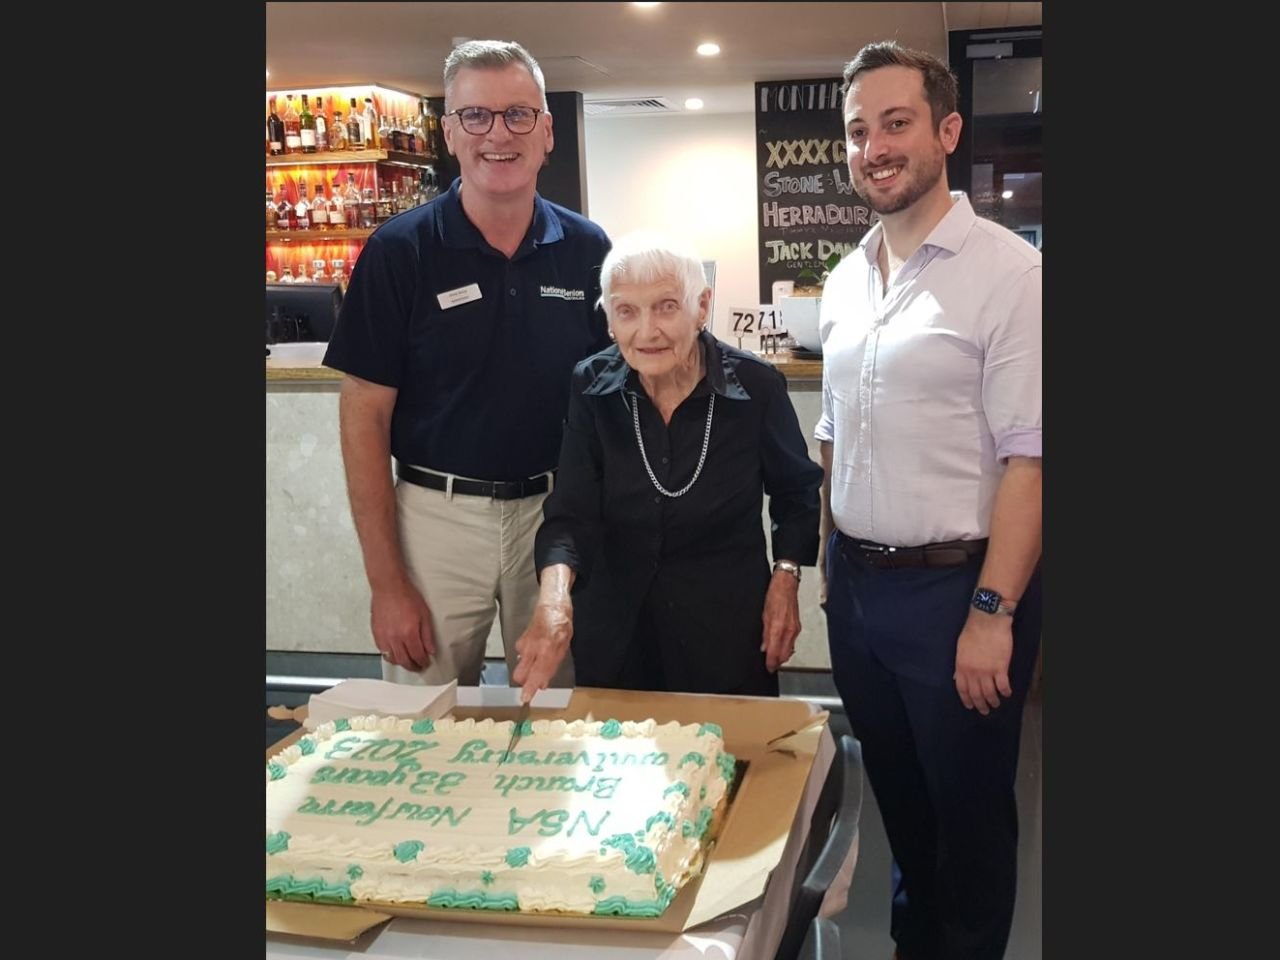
(823, 941)
(831, 835)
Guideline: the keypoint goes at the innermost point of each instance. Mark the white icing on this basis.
(473, 829)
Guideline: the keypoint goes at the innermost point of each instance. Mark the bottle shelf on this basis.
(316, 236)
(349, 157)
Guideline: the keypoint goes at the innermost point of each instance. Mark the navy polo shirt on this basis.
(480, 348)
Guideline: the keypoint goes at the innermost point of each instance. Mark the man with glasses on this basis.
(458, 335)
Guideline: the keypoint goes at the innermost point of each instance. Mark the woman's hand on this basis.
(781, 620)
(545, 642)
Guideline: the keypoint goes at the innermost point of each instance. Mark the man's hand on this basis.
(983, 653)
(781, 620)
(543, 645)
(401, 622)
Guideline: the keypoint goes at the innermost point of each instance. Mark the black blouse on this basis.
(685, 576)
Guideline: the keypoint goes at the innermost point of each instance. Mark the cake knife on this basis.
(521, 719)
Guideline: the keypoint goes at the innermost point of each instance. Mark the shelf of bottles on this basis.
(339, 162)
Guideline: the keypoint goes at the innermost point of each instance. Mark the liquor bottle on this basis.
(322, 126)
(369, 122)
(368, 216)
(284, 211)
(307, 123)
(317, 271)
(410, 127)
(302, 208)
(355, 129)
(431, 127)
(337, 132)
(337, 207)
(287, 276)
(338, 275)
(386, 133)
(275, 131)
(271, 210)
(301, 276)
(320, 209)
(292, 129)
(351, 200)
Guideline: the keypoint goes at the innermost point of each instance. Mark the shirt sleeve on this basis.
(370, 339)
(1011, 372)
(571, 514)
(791, 478)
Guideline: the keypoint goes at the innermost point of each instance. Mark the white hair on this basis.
(646, 257)
(490, 55)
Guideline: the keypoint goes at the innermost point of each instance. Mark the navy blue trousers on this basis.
(943, 776)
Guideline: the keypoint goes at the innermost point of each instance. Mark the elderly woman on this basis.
(651, 556)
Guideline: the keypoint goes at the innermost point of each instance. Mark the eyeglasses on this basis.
(479, 120)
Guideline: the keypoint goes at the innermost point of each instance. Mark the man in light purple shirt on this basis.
(931, 441)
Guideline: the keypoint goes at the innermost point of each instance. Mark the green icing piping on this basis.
(680, 788)
(409, 850)
(692, 757)
(610, 729)
(473, 900)
(696, 830)
(487, 878)
(518, 856)
(341, 725)
(622, 907)
(726, 763)
(702, 792)
(712, 728)
(659, 817)
(286, 885)
(640, 859)
(276, 770)
(596, 883)
(277, 842)
(355, 871)
(425, 725)
(526, 727)
(307, 746)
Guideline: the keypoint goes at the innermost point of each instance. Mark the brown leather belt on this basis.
(953, 553)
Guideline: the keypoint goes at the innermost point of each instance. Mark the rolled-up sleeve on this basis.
(791, 478)
(571, 514)
(1011, 374)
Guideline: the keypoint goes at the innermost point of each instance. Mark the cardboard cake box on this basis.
(775, 742)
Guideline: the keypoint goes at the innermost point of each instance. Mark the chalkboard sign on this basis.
(807, 207)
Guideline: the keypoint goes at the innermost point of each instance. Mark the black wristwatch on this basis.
(989, 601)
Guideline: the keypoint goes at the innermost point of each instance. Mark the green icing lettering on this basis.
(409, 850)
(691, 757)
(610, 729)
(596, 884)
(518, 856)
(277, 842)
(487, 878)
(581, 821)
(680, 788)
(726, 762)
(355, 872)
(307, 746)
(660, 817)
(350, 808)
(425, 725)
(473, 900)
(712, 728)
(276, 770)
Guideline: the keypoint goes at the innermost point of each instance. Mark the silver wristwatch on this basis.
(787, 565)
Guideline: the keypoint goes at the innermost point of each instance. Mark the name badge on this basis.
(454, 298)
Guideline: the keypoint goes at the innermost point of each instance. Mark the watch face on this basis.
(988, 601)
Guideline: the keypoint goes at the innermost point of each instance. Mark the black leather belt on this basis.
(952, 553)
(493, 489)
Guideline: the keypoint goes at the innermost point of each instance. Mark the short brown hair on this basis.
(939, 82)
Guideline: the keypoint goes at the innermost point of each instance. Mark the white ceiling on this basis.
(610, 50)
